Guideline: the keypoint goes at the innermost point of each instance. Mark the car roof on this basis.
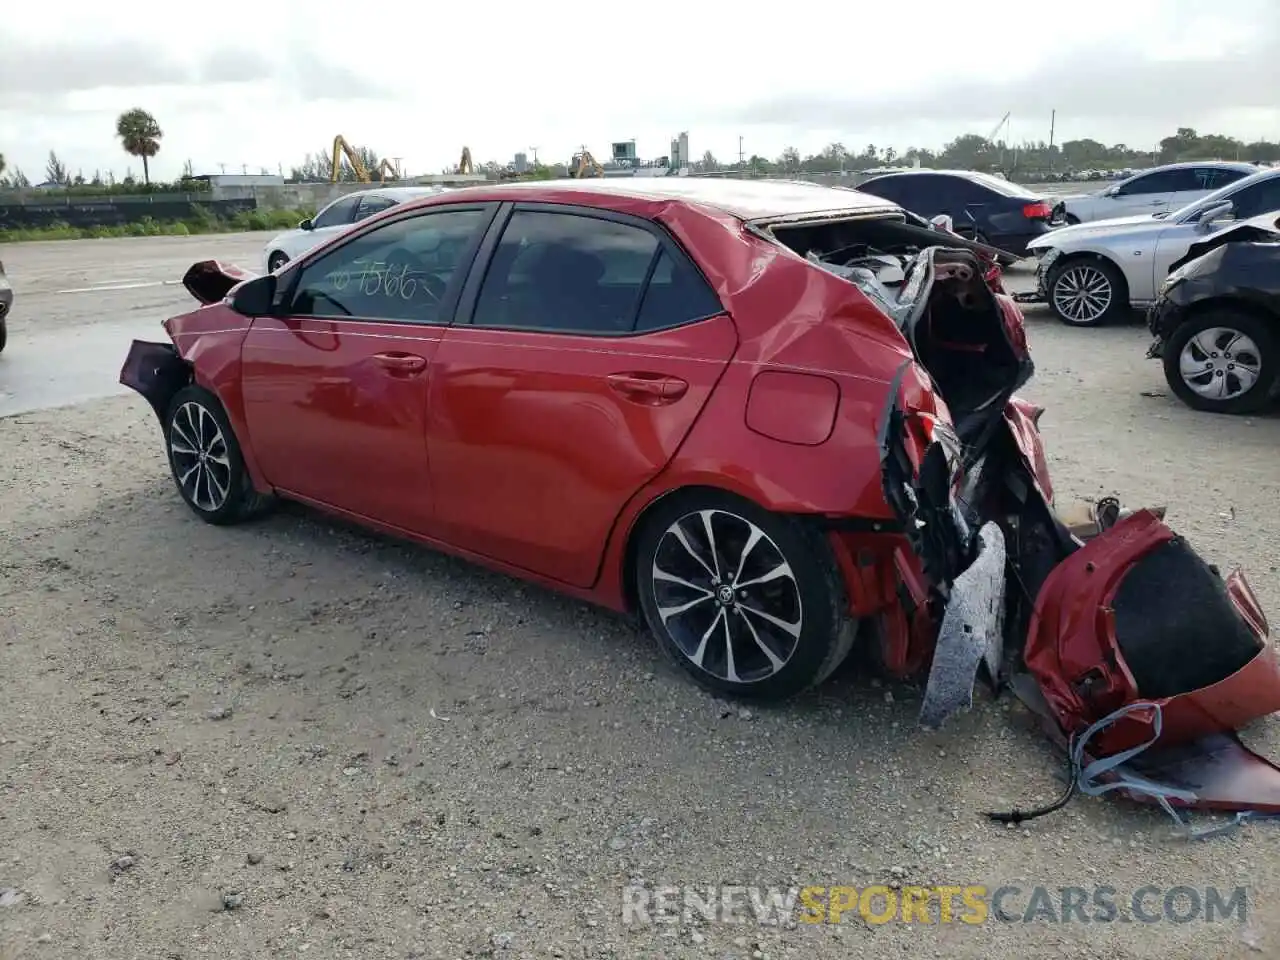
(741, 199)
(1215, 164)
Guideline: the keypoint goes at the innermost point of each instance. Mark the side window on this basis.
(336, 213)
(371, 205)
(1188, 179)
(1223, 177)
(1257, 199)
(566, 272)
(1162, 182)
(400, 271)
(965, 193)
(676, 295)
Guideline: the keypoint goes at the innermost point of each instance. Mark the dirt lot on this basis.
(293, 738)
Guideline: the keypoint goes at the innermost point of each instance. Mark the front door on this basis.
(1150, 193)
(575, 370)
(336, 384)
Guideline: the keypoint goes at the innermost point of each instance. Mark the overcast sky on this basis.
(262, 84)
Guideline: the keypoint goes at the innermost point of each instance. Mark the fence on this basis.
(29, 212)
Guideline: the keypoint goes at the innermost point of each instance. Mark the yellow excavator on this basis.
(585, 165)
(465, 165)
(386, 170)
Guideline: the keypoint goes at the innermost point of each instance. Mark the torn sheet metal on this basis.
(971, 632)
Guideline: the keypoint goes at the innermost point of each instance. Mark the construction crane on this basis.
(991, 137)
(585, 165)
(465, 165)
(386, 170)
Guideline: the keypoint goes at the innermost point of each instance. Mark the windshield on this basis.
(1192, 210)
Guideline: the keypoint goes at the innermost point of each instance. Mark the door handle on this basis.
(401, 362)
(651, 388)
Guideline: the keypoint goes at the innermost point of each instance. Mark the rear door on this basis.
(582, 353)
(1192, 183)
(370, 204)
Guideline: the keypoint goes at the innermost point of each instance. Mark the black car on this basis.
(986, 208)
(6, 302)
(1216, 321)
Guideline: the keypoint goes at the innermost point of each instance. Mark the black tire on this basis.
(277, 260)
(4, 334)
(1084, 272)
(810, 596)
(216, 486)
(1265, 343)
(1072, 219)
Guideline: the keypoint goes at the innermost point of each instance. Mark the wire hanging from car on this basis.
(1016, 816)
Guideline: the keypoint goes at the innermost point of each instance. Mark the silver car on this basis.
(336, 218)
(1093, 272)
(1157, 190)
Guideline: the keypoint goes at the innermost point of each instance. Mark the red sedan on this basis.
(770, 418)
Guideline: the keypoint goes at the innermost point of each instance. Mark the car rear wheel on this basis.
(1222, 361)
(205, 459)
(1086, 292)
(277, 260)
(750, 603)
(1072, 219)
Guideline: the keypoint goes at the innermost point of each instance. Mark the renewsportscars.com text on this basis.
(968, 904)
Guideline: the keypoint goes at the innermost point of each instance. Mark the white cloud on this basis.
(261, 85)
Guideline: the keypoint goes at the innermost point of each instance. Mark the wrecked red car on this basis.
(774, 420)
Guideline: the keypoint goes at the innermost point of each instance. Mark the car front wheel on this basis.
(1222, 361)
(277, 260)
(1086, 292)
(205, 459)
(750, 603)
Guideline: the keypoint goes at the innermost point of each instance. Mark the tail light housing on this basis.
(1040, 210)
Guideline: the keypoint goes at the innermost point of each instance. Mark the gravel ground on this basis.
(296, 737)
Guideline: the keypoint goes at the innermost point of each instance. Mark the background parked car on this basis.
(1216, 323)
(6, 303)
(336, 217)
(988, 209)
(1094, 272)
(1152, 191)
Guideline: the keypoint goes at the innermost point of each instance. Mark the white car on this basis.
(1152, 191)
(1093, 272)
(338, 216)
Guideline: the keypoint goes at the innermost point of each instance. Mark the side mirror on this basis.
(1211, 215)
(253, 298)
(307, 224)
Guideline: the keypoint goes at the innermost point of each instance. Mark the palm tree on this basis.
(140, 135)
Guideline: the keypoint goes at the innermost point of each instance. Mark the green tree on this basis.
(140, 136)
(55, 170)
(2, 165)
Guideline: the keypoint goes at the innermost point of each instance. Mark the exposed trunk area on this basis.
(934, 285)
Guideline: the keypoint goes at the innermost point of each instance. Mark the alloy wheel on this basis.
(201, 461)
(1082, 294)
(1220, 363)
(727, 596)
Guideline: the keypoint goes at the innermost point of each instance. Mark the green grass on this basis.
(200, 221)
